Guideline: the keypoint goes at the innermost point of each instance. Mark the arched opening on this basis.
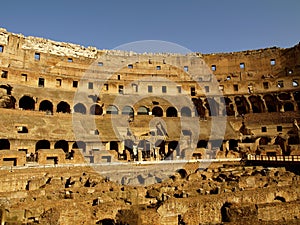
(4, 144)
(111, 109)
(186, 112)
(63, 107)
(242, 105)
(27, 103)
(80, 108)
(157, 111)
(271, 103)
(62, 144)
(233, 144)
(171, 112)
(293, 140)
(79, 145)
(113, 145)
(257, 104)
(284, 96)
(173, 146)
(182, 172)
(279, 198)
(46, 106)
(199, 108)
(297, 98)
(129, 145)
(212, 106)
(161, 145)
(42, 144)
(202, 144)
(229, 111)
(106, 222)
(288, 107)
(225, 212)
(96, 110)
(143, 110)
(145, 145)
(128, 110)
(264, 140)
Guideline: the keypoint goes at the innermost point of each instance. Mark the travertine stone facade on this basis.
(56, 95)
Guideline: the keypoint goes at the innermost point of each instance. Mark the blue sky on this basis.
(201, 26)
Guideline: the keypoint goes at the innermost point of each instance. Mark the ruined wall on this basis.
(45, 84)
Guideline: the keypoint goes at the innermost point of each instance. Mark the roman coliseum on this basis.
(63, 104)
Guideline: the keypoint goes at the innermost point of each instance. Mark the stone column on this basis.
(249, 103)
(140, 154)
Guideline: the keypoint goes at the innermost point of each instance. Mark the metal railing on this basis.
(283, 158)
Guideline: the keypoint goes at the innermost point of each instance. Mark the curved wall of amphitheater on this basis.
(44, 84)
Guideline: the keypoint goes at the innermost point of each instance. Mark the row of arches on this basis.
(28, 103)
(209, 107)
(61, 144)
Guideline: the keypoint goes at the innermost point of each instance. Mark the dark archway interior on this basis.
(157, 111)
(27, 103)
(62, 144)
(46, 106)
(63, 107)
(80, 108)
(42, 144)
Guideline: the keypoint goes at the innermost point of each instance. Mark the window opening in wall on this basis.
(272, 62)
(186, 68)
(250, 88)
(206, 89)
(121, 89)
(150, 89)
(75, 83)
(264, 129)
(164, 89)
(228, 78)
(236, 87)
(41, 82)
(130, 66)
(279, 128)
(58, 82)
(242, 65)
(24, 77)
(193, 91)
(266, 85)
(90, 85)
(295, 83)
(70, 60)
(37, 56)
(158, 67)
(106, 87)
(100, 63)
(135, 87)
(22, 129)
(1, 48)
(4, 74)
(213, 67)
(290, 71)
(280, 84)
(119, 77)
(179, 89)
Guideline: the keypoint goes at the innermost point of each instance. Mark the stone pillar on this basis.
(121, 146)
(70, 145)
(174, 154)
(156, 153)
(140, 154)
(264, 103)
(249, 103)
(52, 143)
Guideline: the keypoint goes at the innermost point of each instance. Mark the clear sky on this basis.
(202, 26)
